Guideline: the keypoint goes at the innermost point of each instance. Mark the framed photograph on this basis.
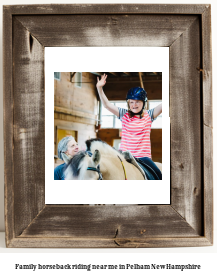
(78, 108)
(186, 219)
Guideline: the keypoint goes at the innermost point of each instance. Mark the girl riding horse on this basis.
(136, 122)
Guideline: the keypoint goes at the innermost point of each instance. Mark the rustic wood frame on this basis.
(188, 220)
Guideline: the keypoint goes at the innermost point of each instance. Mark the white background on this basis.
(139, 59)
(206, 256)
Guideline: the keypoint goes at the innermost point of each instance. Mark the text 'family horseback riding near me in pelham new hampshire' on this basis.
(90, 267)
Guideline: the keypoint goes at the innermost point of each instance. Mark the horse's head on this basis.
(84, 167)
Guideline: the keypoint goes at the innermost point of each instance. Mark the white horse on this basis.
(106, 163)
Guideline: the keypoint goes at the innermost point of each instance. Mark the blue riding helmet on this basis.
(137, 93)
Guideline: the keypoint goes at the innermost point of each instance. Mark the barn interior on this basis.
(78, 110)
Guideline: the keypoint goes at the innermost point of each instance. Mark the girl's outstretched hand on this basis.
(102, 81)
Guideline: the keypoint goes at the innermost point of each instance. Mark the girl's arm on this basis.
(110, 107)
(157, 111)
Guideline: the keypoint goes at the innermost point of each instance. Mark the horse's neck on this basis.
(111, 168)
(105, 149)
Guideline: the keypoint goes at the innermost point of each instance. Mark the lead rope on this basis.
(123, 168)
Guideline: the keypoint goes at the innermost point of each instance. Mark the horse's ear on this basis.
(96, 157)
(88, 143)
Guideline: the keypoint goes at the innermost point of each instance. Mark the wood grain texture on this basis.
(80, 99)
(107, 30)
(84, 115)
(8, 125)
(108, 135)
(33, 242)
(186, 126)
(29, 140)
(188, 221)
(208, 183)
(106, 9)
(109, 222)
(206, 68)
(207, 123)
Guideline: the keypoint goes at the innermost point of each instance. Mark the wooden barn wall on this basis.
(67, 95)
(75, 108)
(108, 135)
(156, 145)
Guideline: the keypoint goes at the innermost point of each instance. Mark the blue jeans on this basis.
(150, 163)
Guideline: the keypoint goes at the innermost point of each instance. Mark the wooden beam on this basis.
(97, 73)
(128, 73)
(133, 79)
(114, 73)
(72, 75)
(73, 112)
(140, 78)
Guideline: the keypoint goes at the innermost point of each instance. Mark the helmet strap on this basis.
(140, 112)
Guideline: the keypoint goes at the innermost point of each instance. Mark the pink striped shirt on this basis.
(136, 133)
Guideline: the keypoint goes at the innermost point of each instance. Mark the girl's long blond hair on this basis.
(130, 112)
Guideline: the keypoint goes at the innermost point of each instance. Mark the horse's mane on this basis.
(103, 147)
(74, 165)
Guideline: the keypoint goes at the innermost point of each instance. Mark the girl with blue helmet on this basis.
(136, 122)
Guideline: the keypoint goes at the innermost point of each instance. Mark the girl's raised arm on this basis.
(157, 111)
(110, 107)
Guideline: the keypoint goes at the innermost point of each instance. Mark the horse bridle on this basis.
(96, 169)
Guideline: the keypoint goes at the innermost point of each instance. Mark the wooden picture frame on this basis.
(186, 30)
